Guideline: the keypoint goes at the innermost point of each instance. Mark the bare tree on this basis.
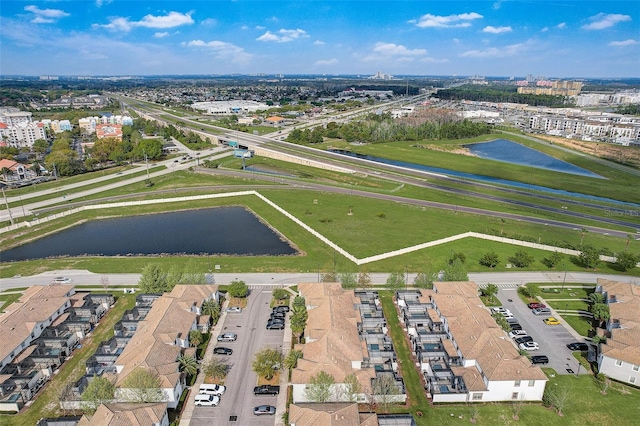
(104, 281)
(384, 389)
(517, 406)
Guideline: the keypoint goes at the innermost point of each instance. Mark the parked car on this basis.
(282, 308)
(275, 326)
(227, 337)
(212, 389)
(515, 326)
(276, 320)
(551, 321)
(234, 309)
(578, 346)
(541, 311)
(261, 410)
(517, 333)
(529, 346)
(512, 320)
(540, 359)
(536, 305)
(222, 351)
(501, 310)
(204, 400)
(266, 390)
(278, 315)
(524, 339)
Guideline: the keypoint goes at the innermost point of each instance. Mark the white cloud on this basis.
(561, 25)
(496, 30)
(284, 35)
(100, 3)
(161, 34)
(171, 20)
(494, 52)
(331, 61)
(602, 21)
(391, 49)
(223, 50)
(629, 42)
(260, 27)
(451, 21)
(210, 22)
(319, 43)
(45, 16)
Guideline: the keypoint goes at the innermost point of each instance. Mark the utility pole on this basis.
(7, 204)
(146, 162)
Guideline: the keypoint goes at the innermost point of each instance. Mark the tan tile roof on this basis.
(624, 342)
(472, 378)
(126, 415)
(330, 414)
(36, 305)
(478, 336)
(332, 336)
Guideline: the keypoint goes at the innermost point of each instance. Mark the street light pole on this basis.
(565, 276)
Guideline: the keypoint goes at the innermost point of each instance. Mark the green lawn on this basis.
(585, 406)
(46, 404)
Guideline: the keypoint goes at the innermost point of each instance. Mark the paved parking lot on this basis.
(238, 399)
(552, 339)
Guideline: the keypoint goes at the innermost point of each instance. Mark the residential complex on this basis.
(463, 354)
(17, 129)
(619, 356)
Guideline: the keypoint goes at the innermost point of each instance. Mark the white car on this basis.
(204, 400)
(529, 346)
(501, 310)
(61, 280)
(234, 309)
(212, 389)
(517, 333)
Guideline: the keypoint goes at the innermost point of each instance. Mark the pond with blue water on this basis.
(219, 231)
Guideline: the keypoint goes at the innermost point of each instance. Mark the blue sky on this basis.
(554, 38)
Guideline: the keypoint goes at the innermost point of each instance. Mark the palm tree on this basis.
(5, 173)
(188, 364)
(291, 361)
(212, 308)
(195, 337)
(215, 368)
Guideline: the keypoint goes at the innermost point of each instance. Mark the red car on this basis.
(536, 305)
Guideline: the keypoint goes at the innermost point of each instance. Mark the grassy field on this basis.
(585, 406)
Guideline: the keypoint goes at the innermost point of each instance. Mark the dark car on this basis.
(276, 320)
(261, 410)
(578, 346)
(266, 390)
(536, 305)
(524, 339)
(539, 359)
(282, 308)
(275, 326)
(515, 326)
(222, 351)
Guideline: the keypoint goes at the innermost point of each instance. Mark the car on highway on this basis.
(551, 321)
(529, 346)
(261, 410)
(212, 389)
(227, 337)
(539, 359)
(222, 351)
(524, 339)
(578, 346)
(204, 400)
(517, 333)
(234, 309)
(536, 305)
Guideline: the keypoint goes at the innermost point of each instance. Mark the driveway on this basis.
(238, 399)
(552, 339)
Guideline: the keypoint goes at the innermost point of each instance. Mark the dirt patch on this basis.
(620, 154)
(453, 149)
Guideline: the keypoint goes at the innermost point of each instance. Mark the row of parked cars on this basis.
(209, 395)
(277, 317)
(521, 338)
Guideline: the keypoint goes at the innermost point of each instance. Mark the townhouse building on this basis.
(120, 414)
(619, 356)
(463, 354)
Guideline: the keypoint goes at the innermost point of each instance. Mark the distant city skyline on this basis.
(557, 39)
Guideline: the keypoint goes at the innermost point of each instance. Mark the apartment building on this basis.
(17, 129)
(109, 131)
(162, 337)
(619, 357)
(345, 335)
(120, 414)
(463, 354)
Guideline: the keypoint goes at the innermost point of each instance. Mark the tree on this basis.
(348, 280)
(267, 362)
(455, 271)
(425, 279)
(521, 259)
(557, 396)
(212, 308)
(280, 294)
(396, 279)
(490, 291)
(490, 259)
(582, 232)
(173, 277)
(364, 280)
(215, 368)
(600, 312)
(531, 291)
(554, 259)
(142, 385)
(595, 298)
(457, 256)
(291, 360)
(329, 277)
(153, 279)
(589, 257)
(6, 172)
(319, 387)
(195, 337)
(299, 302)
(40, 146)
(104, 280)
(100, 390)
(352, 387)
(188, 364)
(384, 388)
(238, 289)
(626, 261)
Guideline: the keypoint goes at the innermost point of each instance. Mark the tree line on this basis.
(501, 94)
